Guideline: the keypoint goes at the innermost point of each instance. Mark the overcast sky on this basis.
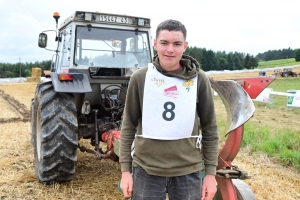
(247, 26)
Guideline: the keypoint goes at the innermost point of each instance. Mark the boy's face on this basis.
(170, 46)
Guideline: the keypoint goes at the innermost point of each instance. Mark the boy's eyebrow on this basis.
(168, 41)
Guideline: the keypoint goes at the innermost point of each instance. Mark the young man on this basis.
(166, 103)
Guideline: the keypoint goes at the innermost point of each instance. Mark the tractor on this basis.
(286, 72)
(84, 98)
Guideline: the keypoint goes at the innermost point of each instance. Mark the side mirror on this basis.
(42, 40)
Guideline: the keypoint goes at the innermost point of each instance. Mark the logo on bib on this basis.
(188, 84)
(171, 92)
(159, 82)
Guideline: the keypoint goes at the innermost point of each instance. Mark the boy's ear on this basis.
(154, 44)
(186, 44)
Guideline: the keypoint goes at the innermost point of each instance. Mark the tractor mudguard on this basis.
(80, 84)
(238, 103)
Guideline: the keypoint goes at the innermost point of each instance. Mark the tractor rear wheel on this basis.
(54, 134)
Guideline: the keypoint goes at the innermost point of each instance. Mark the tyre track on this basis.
(17, 107)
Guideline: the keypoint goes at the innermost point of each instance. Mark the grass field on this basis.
(282, 143)
(271, 140)
(284, 84)
(277, 63)
(269, 153)
(269, 134)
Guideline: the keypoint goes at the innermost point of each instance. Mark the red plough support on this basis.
(226, 156)
(240, 109)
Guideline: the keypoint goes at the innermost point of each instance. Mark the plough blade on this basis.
(238, 103)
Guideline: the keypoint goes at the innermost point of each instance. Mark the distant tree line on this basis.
(208, 59)
(9, 70)
(297, 55)
(220, 60)
(276, 54)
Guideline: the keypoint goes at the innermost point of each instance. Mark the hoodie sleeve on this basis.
(206, 113)
(132, 113)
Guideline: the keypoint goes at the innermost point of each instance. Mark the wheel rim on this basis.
(38, 134)
(243, 190)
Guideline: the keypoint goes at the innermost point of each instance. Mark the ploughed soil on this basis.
(95, 179)
(18, 108)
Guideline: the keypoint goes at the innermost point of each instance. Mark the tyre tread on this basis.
(58, 131)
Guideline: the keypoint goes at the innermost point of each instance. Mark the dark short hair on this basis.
(171, 25)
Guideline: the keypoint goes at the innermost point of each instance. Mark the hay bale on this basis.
(36, 72)
(32, 79)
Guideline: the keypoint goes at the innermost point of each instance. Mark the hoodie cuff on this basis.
(210, 169)
(126, 167)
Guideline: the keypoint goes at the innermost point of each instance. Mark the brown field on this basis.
(96, 179)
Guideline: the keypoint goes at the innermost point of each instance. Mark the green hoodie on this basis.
(170, 158)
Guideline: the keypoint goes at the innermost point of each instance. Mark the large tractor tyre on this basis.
(54, 134)
(242, 189)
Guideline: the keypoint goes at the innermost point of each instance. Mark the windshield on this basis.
(112, 48)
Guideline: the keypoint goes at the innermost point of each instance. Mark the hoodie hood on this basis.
(190, 68)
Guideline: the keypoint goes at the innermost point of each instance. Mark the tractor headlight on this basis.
(88, 16)
(141, 22)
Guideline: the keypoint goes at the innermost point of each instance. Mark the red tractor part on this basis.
(109, 138)
(255, 85)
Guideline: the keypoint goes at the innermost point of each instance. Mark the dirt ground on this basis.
(96, 179)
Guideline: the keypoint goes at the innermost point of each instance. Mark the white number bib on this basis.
(169, 106)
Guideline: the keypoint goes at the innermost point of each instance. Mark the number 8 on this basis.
(167, 110)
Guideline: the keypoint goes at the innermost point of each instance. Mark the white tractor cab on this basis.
(95, 57)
